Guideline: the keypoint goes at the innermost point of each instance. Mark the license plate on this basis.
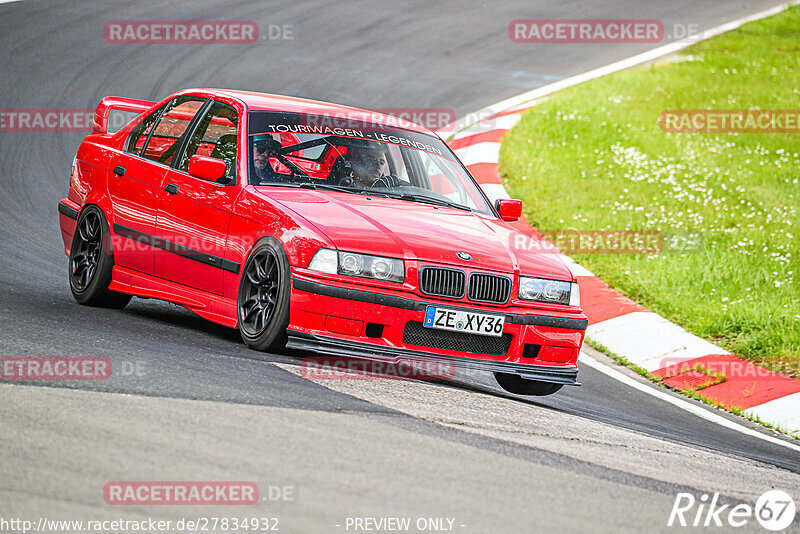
(464, 321)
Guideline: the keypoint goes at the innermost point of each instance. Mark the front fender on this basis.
(253, 218)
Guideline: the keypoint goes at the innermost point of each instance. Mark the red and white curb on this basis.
(625, 328)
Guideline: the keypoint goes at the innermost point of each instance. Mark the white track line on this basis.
(699, 411)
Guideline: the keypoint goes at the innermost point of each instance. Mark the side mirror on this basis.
(510, 209)
(207, 168)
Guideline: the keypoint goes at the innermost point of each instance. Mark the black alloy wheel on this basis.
(263, 303)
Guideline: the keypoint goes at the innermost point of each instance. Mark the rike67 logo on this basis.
(774, 510)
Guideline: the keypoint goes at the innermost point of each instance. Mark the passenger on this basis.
(261, 145)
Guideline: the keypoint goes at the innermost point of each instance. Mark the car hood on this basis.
(412, 230)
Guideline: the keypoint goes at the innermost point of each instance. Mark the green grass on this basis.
(593, 157)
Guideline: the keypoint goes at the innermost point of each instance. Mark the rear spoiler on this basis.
(130, 108)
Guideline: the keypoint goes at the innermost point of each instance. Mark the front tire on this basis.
(522, 386)
(264, 294)
(91, 260)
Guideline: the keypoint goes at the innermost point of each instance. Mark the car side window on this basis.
(164, 140)
(215, 136)
(139, 134)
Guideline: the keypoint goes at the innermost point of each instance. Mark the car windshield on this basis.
(332, 153)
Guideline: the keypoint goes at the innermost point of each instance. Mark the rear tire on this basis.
(264, 294)
(91, 260)
(522, 386)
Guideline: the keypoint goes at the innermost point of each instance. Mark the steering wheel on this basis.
(388, 181)
(341, 173)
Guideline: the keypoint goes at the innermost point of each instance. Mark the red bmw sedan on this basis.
(315, 227)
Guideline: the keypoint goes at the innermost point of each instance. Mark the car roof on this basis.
(269, 102)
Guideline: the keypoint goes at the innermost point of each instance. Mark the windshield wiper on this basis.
(328, 187)
(431, 200)
(406, 196)
(315, 185)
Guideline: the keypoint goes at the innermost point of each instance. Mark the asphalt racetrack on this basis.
(195, 404)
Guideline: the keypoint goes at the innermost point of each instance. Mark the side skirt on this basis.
(207, 305)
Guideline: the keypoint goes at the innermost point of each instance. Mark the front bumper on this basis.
(352, 321)
(395, 357)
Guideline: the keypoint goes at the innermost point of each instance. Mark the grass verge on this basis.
(593, 157)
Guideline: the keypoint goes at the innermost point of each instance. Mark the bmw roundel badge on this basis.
(464, 256)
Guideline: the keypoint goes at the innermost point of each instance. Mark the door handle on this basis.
(172, 189)
(119, 170)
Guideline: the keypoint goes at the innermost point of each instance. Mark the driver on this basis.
(368, 164)
(260, 159)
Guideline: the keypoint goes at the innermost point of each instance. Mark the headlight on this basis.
(554, 291)
(361, 265)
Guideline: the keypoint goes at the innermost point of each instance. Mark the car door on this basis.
(136, 179)
(194, 214)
